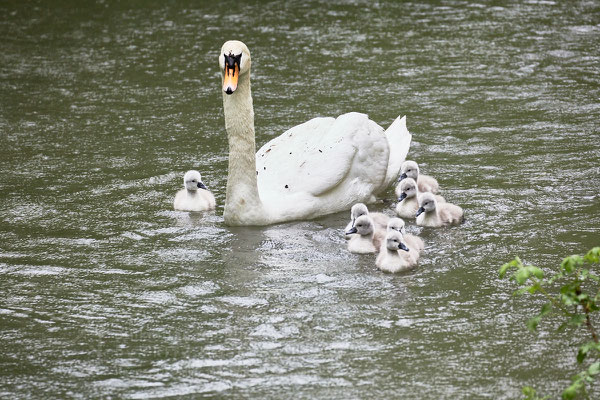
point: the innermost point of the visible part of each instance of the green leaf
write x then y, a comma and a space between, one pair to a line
577, 319
529, 392
537, 272
533, 323
594, 369
585, 349
546, 309
503, 270
515, 263
593, 256
571, 392
569, 264
521, 275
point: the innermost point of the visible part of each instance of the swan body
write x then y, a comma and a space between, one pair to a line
195, 196
322, 166
380, 219
365, 238
410, 169
414, 243
394, 256
432, 214
407, 192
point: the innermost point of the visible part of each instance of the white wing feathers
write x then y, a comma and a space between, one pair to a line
345, 158
398, 139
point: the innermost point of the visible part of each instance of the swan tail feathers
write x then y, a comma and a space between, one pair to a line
399, 139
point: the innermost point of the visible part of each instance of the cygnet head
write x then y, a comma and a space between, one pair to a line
234, 61
396, 224
192, 181
358, 210
427, 203
408, 189
394, 241
409, 169
363, 226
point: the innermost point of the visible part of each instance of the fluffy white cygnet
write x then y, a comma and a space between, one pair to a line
367, 239
195, 196
434, 214
410, 169
408, 193
359, 209
414, 243
394, 255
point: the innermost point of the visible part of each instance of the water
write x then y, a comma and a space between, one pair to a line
107, 292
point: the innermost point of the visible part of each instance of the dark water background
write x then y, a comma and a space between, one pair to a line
107, 292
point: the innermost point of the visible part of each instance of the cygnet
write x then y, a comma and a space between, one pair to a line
410, 169
359, 209
408, 193
195, 196
432, 214
394, 255
414, 243
367, 239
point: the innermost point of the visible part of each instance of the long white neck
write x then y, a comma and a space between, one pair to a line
242, 202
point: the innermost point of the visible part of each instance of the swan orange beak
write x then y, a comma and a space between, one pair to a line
230, 79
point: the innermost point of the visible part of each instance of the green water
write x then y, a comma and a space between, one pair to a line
107, 292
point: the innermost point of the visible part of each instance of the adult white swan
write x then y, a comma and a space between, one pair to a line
322, 166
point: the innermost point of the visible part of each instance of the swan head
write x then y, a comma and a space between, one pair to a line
408, 189
234, 61
427, 203
396, 224
394, 241
358, 210
193, 181
409, 169
363, 225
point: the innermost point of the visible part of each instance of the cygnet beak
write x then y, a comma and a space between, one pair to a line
402, 197
201, 186
402, 246
352, 231
420, 211
403, 176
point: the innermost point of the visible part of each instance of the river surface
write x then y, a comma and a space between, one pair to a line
105, 291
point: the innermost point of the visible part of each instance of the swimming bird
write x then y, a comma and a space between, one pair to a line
380, 219
195, 196
407, 192
394, 255
434, 214
320, 167
410, 169
414, 242
365, 238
